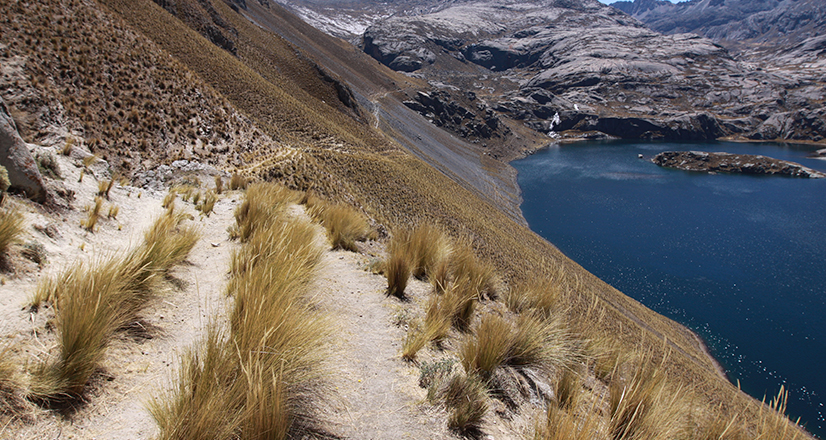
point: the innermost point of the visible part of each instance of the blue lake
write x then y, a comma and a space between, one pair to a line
739, 259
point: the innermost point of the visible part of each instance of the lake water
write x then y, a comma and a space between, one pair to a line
739, 259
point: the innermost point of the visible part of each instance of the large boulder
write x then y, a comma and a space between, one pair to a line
15, 156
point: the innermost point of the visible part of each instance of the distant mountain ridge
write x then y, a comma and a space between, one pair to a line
777, 22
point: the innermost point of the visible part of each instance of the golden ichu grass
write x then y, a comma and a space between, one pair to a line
261, 376
262, 205
11, 227
93, 300
345, 226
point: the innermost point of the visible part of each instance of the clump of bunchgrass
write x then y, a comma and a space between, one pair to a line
772, 422
397, 265
530, 342
427, 247
263, 204
345, 226
561, 425
465, 396
11, 228
480, 274
538, 296
94, 300
208, 204
219, 184
169, 199
238, 182
644, 405
13, 404
105, 187
93, 215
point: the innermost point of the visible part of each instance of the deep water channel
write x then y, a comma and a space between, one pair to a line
739, 259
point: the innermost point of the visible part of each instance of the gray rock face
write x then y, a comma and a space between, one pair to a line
594, 67
599, 70
781, 22
15, 156
733, 163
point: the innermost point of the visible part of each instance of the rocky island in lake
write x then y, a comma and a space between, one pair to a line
732, 163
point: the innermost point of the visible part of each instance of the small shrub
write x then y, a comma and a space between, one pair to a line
11, 227
5, 183
345, 226
48, 166
35, 252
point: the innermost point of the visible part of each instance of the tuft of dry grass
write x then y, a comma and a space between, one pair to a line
561, 425
345, 226
538, 295
480, 274
530, 342
169, 199
645, 406
466, 398
238, 182
568, 389
772, 422
219, 184
427, 247
208, 204
94, 215
263, 204
92, 301
397, 265
13, 404
113, 212
11, 227
105, 187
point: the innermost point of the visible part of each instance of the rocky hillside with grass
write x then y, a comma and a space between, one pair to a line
244, 232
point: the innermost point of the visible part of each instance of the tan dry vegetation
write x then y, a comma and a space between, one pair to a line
191, 85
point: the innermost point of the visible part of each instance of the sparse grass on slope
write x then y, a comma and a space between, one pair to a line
260, 377
92, 301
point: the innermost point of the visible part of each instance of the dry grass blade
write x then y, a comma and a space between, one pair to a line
568, 389
772, 422
11, 227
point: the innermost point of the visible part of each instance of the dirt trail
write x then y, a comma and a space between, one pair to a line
378, 396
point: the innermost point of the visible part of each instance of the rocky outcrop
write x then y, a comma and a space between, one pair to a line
733, 163
473, 122
15, 156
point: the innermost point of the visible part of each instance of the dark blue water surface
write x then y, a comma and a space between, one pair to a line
739, 259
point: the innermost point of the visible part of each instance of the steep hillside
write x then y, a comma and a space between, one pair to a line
142, 84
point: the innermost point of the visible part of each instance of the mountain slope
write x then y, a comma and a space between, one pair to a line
291, 123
